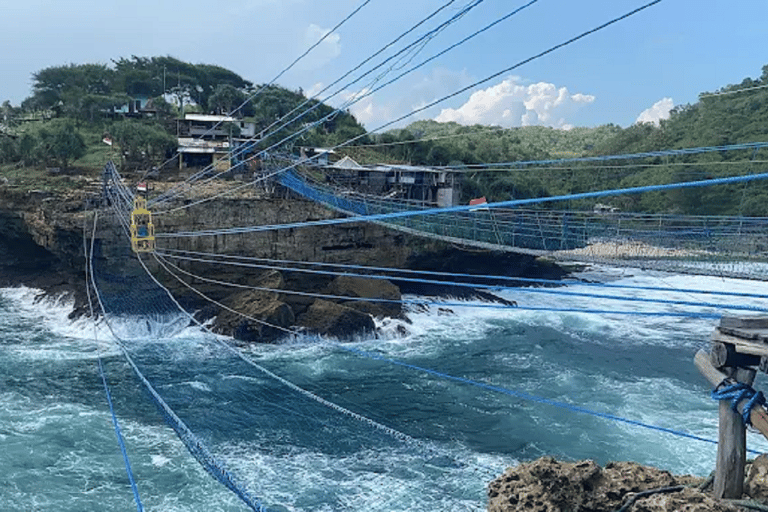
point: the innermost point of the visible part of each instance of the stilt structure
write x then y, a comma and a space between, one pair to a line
739, 348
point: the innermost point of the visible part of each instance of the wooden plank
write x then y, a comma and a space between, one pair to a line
725, 355
749, 334
742, 346
744, 322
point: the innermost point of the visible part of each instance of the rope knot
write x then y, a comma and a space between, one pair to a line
736, 392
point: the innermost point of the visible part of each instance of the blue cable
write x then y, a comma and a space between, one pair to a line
471, 86
485, 305
120, 441
118, 433
528, 397
359, 98
737, 392
564, 282
167, 195
466, 208
497, 287
632, 156
368, 59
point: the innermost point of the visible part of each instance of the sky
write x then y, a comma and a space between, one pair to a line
635, 70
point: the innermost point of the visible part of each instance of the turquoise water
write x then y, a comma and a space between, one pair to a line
59, 451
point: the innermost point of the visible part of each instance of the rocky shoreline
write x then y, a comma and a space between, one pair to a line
548, 485
42, 240
43, 235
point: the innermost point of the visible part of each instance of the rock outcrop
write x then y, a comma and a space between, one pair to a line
325, 317
255, 316
272, 311
547, 485
42, 245
384, 297
756, 482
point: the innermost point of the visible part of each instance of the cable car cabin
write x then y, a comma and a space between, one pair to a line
142, 229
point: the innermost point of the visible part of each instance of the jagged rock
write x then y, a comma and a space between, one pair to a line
687, 500
349, 286
547, 485
273, 317
756, 484
41, 245
325, 317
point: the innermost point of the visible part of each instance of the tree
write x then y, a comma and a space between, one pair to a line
142, 143
68, 83
59, 143
27, 148
8, 113
225, 99
8, 149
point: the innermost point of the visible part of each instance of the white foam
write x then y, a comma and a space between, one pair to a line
388, 480
159, 460
49, 332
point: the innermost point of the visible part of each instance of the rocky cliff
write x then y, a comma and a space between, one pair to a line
43, 236
548, 485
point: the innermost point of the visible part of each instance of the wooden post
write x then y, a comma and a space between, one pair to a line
732, 444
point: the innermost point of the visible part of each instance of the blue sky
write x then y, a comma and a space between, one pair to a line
663, 56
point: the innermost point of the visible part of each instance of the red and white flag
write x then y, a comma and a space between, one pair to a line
477, 202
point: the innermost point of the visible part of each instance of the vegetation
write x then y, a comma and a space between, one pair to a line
722, 118
73, 107
92, 101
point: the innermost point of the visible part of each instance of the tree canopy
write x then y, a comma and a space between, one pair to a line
67, 87
87, 96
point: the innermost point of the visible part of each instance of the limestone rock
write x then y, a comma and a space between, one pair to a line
547, 485
325, 317
687, 500
756, 485
350, 286
271, 317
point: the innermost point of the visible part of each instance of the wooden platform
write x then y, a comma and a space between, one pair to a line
741, 336
739, 348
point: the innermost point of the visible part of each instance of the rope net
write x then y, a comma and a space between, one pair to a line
269, 440
708, 245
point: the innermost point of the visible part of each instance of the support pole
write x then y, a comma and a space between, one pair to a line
732, 440
732, 445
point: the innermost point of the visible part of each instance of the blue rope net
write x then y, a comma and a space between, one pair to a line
211, 394
230, 411
710, 245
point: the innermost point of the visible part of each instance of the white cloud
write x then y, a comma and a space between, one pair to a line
410, 94
511, 104
326, 51
364, 108
314, 90
659, 110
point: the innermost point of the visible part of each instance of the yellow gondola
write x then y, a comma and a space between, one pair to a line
142, 229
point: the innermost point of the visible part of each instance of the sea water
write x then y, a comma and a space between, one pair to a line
59, 451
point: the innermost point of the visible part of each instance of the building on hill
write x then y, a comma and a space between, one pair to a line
206, 139
425, 185
317, 156
136, 107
